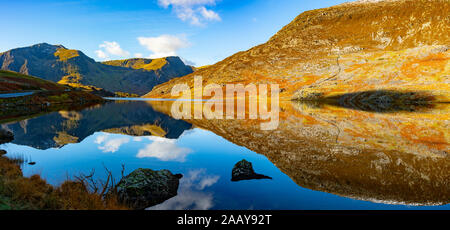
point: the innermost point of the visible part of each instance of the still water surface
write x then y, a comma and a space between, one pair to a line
319, 157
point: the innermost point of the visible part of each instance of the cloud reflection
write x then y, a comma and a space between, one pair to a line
164, 149
190, 194
110, 145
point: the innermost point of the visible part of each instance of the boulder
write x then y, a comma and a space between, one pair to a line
5, 136
243, 170
144, 188
2, 152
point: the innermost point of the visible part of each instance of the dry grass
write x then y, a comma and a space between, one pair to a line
12, 81
139, 63
66, 54
308, 52
18, 192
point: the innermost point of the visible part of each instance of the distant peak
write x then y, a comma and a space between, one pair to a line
42, 44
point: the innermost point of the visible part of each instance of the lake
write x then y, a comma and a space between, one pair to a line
321, 156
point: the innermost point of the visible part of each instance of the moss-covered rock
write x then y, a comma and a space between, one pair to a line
144, 188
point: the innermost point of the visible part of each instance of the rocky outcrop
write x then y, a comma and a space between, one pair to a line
144, 188
243, 170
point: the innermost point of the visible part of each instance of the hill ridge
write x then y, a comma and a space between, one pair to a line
389, 45
74, 68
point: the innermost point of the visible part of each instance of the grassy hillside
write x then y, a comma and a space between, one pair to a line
46, 96
400, 45
12, 81
139, 63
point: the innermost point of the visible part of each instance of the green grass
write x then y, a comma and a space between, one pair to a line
59, 98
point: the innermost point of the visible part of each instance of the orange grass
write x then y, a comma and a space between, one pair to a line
36, 194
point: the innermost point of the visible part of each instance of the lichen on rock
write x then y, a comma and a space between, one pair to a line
144, 188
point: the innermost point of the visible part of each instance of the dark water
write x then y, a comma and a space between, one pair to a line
139, 135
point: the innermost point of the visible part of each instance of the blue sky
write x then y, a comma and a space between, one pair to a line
200, 31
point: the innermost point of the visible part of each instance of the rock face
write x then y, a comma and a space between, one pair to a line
348, 48
71, 67
144, 188
243, 170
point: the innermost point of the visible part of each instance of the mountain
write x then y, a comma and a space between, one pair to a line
395, 45
72, 67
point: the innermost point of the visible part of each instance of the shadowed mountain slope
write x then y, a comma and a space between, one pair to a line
72, 67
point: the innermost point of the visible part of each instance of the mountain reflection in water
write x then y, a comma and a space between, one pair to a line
396, 158
130, 118
384, 158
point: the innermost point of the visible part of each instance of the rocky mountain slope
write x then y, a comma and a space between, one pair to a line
172, 66
72, 67
400, 45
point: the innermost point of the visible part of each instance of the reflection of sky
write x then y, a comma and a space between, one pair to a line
191, 193
110, 145
164, 149
204, 159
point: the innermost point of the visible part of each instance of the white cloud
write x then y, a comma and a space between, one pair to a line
138, 55
164, 149
111, 48
193, 11
187, 62
209, 14
164, 45
191, 195
101, 54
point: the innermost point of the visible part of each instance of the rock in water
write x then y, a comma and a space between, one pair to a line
144, 188
2, 152
243, 170
5, 136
